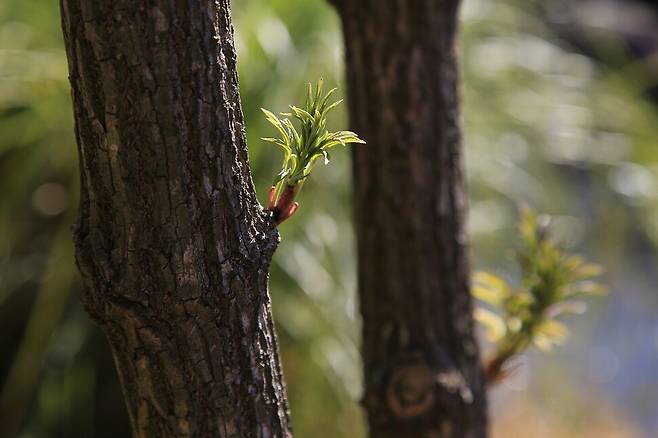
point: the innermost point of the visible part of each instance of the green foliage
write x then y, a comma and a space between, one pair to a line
551, 283
302, 148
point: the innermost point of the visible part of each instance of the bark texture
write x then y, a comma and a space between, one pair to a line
172, 244
422, 369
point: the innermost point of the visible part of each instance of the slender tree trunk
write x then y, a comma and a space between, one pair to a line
172, 244
422, 370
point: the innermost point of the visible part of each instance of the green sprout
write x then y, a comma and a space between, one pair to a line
551, 286
301, 149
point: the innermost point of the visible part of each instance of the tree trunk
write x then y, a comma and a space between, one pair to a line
422, 371
172, 244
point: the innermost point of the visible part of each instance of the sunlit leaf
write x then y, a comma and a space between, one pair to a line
542, 342
587, 271
492, 281
528, 224
586, 288
566, 307
554, 330
493, 324
514, 324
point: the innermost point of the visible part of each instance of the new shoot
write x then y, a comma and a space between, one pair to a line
551, 286
302, 147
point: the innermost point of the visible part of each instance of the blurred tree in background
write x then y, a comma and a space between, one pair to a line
421, 361
545, 123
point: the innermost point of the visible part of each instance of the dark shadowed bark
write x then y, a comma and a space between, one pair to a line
422, 370
172, 244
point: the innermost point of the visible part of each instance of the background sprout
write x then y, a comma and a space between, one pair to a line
301, 149
551, 285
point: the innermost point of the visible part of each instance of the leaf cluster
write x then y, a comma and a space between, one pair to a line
302, 147
551, 284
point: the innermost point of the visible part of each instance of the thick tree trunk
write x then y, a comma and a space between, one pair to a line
172, 244
422, 370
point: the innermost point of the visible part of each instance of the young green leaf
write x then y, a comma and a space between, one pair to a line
549, 281
494, 325
303, 145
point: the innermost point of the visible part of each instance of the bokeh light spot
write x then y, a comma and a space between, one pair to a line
50, 199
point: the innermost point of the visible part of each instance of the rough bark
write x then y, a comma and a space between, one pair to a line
171, 242
422, 370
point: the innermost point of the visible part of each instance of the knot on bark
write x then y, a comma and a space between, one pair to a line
410, 390
414, 385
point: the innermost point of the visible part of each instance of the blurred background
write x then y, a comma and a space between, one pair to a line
560, 112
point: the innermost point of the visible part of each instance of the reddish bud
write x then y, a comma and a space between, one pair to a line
286, 198
289, 212
271, 198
